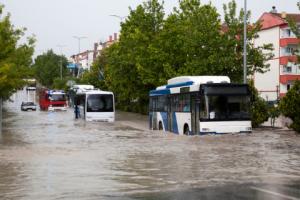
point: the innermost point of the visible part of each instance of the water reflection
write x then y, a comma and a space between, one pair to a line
50, 155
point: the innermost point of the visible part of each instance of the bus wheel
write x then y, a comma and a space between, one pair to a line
160, 127
186, 129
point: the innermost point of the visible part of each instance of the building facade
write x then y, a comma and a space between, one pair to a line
283, 70
83, 61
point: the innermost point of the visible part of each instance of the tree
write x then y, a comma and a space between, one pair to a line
47, 68
259, 107
294, 27
290, 106
95, 76
15, 58
133, 63
190, 41
233, 43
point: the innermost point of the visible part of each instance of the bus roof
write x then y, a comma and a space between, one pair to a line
55, 91
83, 87
199, 79
193, 82
94, 92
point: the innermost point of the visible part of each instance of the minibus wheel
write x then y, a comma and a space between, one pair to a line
160, 127
186, 129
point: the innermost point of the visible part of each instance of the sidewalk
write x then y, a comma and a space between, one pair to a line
280, 122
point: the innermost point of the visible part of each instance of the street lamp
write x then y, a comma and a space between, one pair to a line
121, 18
79, 38
61, 56
245, 41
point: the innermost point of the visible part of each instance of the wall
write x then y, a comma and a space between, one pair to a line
268, 82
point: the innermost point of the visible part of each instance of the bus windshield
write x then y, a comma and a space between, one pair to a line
57, 97
100, 103
225, 107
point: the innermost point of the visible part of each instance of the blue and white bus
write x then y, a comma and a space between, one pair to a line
194, 105
94, 104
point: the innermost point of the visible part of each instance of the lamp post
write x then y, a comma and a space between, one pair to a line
245, 41
79, 38
121, 18
60, 47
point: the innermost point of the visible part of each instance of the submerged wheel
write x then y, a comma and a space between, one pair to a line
160, 127
186, 129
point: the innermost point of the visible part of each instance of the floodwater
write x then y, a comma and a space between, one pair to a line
50, 155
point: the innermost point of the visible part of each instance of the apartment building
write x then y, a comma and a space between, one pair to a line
83, 61
283, 68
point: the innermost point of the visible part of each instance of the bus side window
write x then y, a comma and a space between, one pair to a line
108, 104
186, 108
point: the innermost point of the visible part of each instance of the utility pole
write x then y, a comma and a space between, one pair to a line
245, 41
61, 61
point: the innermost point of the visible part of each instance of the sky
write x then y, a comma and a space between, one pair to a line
55, 22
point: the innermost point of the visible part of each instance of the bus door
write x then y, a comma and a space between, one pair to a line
154, 120
169, 114
195, 104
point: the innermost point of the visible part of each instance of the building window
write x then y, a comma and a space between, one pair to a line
287, 69
288, 86
289, 50
288, 32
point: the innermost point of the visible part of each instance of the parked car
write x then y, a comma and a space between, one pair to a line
25, 106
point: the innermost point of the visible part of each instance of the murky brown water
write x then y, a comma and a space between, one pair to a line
50, 155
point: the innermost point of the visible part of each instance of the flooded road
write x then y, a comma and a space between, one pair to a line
50, 155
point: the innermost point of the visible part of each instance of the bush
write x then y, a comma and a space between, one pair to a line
259, 108
290, 106
59, 84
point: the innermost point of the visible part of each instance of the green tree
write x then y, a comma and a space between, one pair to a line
233, 39
47, 68
190, 41
290, 106
95, 76
195, 42
15, 58
133, 63
296, 31
259, 107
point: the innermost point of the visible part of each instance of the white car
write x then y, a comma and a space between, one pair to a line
25, 106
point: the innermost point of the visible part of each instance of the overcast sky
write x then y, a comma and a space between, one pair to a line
55, 22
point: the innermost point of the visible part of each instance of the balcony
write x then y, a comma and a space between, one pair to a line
288, 41
284, 60
290, 69
284, 79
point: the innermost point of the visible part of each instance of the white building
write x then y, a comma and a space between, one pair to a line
283, 70
84, 60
